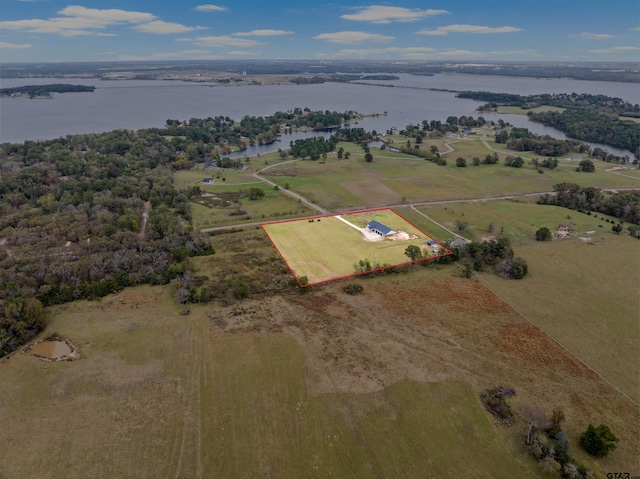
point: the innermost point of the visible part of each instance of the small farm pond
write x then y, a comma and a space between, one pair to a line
51, 349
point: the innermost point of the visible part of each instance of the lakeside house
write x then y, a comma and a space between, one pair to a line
379, 229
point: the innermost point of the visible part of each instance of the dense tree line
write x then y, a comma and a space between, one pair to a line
45, 90
72, 212
596, 118
593, 126
624, 205
312, 147
521, 139
573, 101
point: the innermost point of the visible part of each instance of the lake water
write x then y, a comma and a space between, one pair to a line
134, 104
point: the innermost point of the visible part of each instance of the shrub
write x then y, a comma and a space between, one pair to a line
598, 441
353, 289
240, 289
543, 234
495, 402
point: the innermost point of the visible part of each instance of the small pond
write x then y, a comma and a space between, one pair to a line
51, 349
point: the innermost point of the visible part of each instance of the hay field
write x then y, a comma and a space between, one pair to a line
327, 248
585, 294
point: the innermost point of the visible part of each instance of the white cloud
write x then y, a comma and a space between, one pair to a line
242, 53
477, 29
210, 8
179, 55
222, 41
162, 28
396, 51
14, 45
77, 20
263, 33
349, 38
386, 14
427, 52
615, 50
595, 36
636, 29
106, 17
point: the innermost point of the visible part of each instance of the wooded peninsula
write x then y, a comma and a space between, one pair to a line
39, 91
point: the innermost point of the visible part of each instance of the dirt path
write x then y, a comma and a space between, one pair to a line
145, 219
441, 226
294, 195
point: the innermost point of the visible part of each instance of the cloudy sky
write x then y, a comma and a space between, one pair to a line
574, 30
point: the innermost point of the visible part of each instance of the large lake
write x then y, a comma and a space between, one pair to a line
134, 104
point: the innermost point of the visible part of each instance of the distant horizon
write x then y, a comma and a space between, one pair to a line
34, 31
341, 60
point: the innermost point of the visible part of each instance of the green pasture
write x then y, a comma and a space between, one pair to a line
585, 294
393, 178
518, 219
328, 248
274, 205
523, 111
193, 177
582, 293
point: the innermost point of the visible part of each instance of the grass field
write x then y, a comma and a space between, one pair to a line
571, 282
340, 185
315, 385
274, 205
306, 385
523, 111
160, 395
327, 249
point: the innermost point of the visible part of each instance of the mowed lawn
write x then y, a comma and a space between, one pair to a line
329, 248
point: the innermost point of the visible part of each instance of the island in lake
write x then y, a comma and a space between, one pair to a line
44, 91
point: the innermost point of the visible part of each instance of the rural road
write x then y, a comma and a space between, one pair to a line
294, 195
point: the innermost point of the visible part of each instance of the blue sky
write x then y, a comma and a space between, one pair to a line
469, 30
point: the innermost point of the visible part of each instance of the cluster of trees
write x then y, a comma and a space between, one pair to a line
514, 161
575, 101
312, 148
498, 254
545, 438
595, 118
438, 128
200, 139
521, 139
624, 205
550, 446
45, 90
593, 126
85, 216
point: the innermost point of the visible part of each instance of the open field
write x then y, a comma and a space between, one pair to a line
188, 178
582, 293
340, 185
328, 248
591, 308
523, 111
222, 208
297, 385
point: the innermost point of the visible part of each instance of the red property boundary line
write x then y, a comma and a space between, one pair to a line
262, 225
